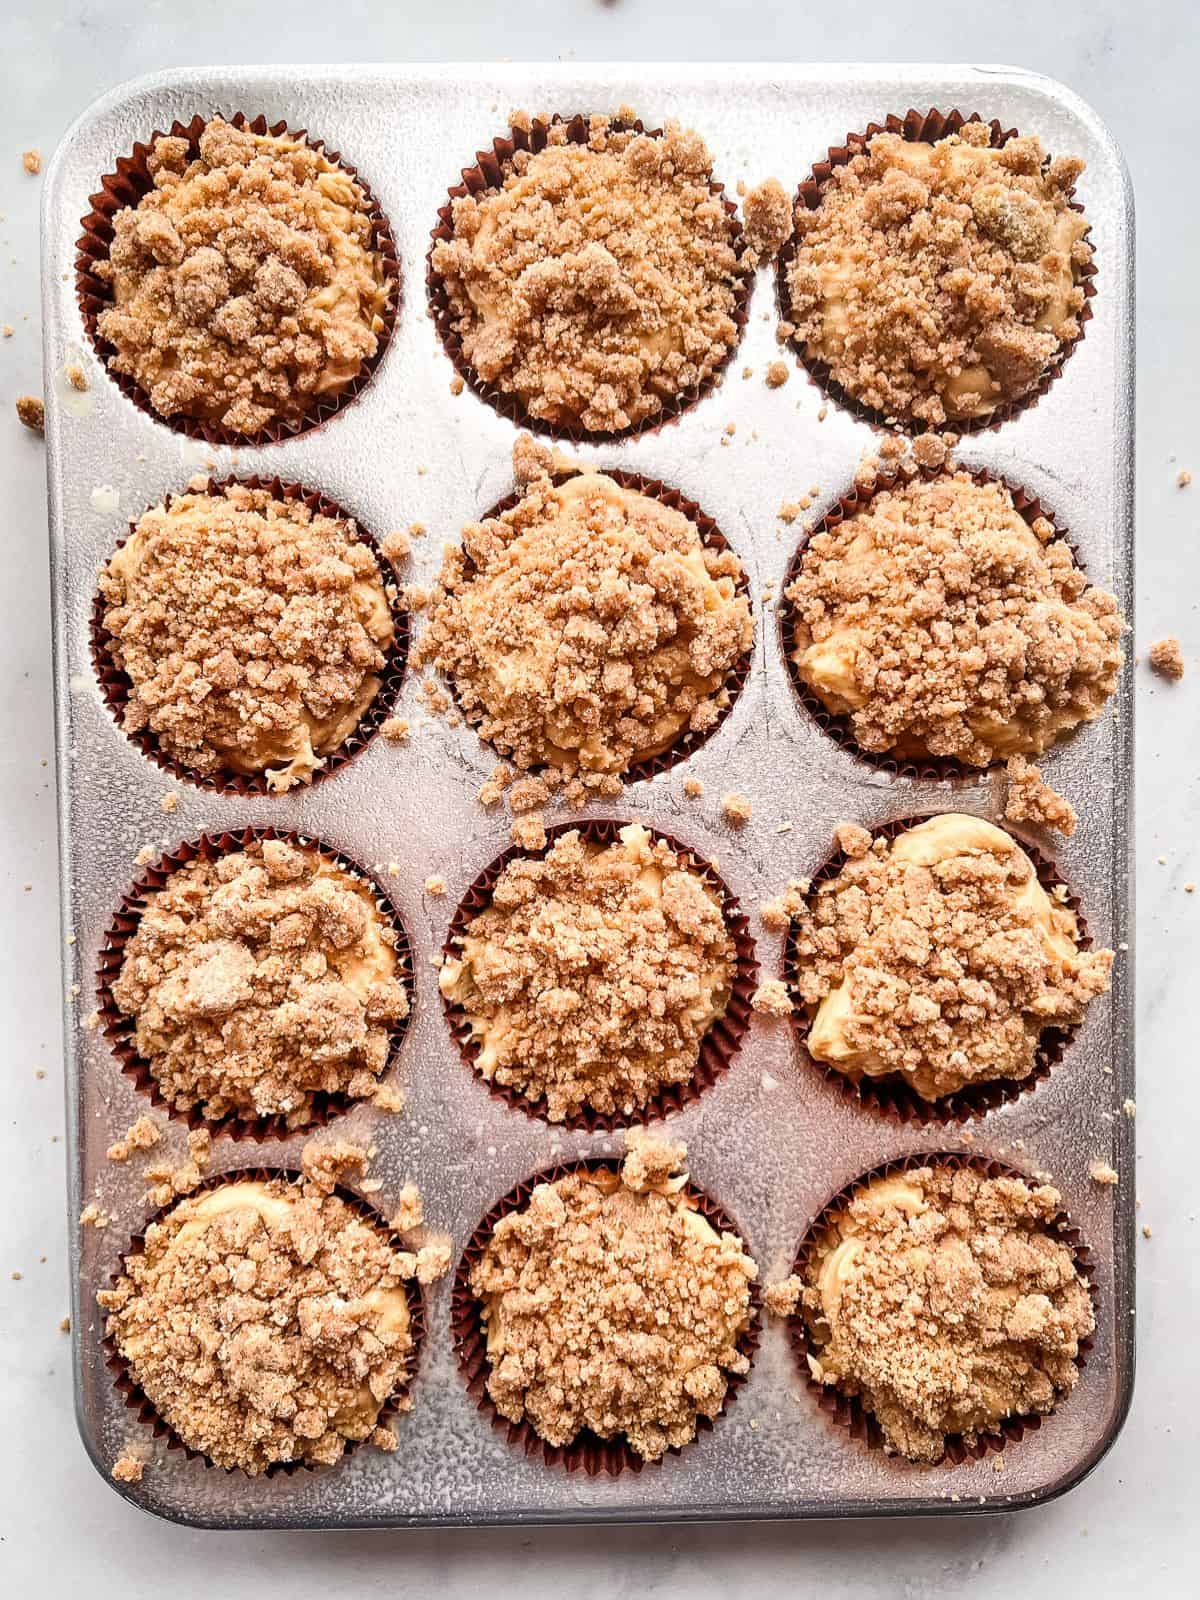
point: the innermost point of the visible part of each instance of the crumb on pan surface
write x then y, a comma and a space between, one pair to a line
265, 1321
939, 957
253, 631
944, 625
587, 628
245, 284
259, 979
1031, 798
941, 280
611, 1304
601, 281
944, 1300
594, 973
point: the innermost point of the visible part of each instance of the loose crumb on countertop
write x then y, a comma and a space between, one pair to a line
31, 160
1183, 479
777, 374
1166, 657
32, 412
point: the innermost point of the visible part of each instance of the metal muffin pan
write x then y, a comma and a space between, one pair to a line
772, 1140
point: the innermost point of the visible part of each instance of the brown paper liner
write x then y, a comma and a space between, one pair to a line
719, 1045
687, 742
847, 1411
126, 187
916, 128
120, 1031
115, 684
488, 173
587, 1452
892, 1096
135, 1398
840, 727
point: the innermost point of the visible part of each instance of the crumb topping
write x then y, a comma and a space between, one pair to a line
600, 282
767, 213
611, 1304
944, 625
31, 411
265, 1321
946, 1302
941, 280
246, 285
253, 631
1031, 799
594, 974
939, 957
261, 980
587, 628
1166, 657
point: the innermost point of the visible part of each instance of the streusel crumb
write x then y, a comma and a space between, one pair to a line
1031, 799
939, 957
772, 999
265, 1321
946, 1301
735, 808
143, 1135
252, 629
128, 1468
261, 981
31, 160
32, 412
246, 284
594, 973
941, 280
600, 282
942, 624
767, 213
614, 1308
587, 628
1100, 1172
1166, 657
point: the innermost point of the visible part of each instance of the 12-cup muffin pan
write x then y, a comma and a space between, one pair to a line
771, 1139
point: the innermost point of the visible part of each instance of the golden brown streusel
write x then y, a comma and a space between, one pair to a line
1166, 657
771, 998
945, 1301
1031, 799
265, 1321
944, 625
246, 284
31, 160
611, 1304
260, 980
767, 213
143, 1135
128, 1468
32, 412
940, 280
735, 808
594, 973
1100, 1172
587, 628
252, 629
939, 957
601, 282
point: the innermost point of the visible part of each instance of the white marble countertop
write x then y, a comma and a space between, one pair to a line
1130, 1522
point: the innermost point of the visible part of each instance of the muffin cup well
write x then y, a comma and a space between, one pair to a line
126, 187
847, 1411
587, 1452
840, 727
489, 173
719, 1045
915, 127
115, 685
135, 1398
687, 742
893, 1096
120, 1031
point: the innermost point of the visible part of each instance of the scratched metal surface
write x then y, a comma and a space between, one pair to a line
771, 1140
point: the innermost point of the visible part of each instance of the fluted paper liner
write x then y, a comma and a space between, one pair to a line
115, 684
687, 741
916, 127
719, 1045
839, 726
120, 1030
892, 1095
489, 173
135, 1398
587, 1452
126, 187
848, 1411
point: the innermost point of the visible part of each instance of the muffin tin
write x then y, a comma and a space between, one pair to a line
771, 1139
